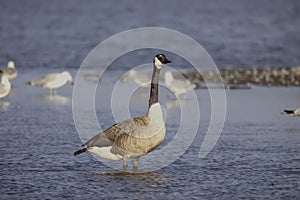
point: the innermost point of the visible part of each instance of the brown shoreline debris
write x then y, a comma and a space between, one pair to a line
264, 76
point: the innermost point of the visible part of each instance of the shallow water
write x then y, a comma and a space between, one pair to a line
257, 155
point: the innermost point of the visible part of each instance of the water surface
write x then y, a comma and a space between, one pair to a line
257, 155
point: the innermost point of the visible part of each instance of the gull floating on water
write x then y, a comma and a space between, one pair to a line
5, 86
178, 86
135, 137
292, 112
141, 79
52, 81
10, 71
92, 77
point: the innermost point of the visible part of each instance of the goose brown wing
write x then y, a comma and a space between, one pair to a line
133, 127
130, 127
99, 140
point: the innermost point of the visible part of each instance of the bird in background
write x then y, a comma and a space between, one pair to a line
52, 81
135, 137
5, 86
178, 86
10, 71
292, 112
140, 78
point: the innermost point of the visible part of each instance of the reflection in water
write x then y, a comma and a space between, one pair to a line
4, 105
57, 99
143, 177
123, 183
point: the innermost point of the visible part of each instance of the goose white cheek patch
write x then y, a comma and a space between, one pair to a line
158, 64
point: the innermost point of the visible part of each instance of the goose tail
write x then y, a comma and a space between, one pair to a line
289, 112
80, 151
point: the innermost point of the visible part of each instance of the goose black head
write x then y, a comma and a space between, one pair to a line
160, 60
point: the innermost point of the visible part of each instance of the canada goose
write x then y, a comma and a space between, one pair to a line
10, 71
292, 112
133, 138
52, 81
178, 86
5, 86
141, 79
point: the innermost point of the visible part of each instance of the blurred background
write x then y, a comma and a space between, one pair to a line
257, 154
54, 34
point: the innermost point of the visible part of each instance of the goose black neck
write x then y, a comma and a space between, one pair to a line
154, 86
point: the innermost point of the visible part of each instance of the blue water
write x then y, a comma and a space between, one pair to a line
257, 155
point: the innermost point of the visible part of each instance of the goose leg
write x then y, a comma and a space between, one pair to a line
135, 164
125, 163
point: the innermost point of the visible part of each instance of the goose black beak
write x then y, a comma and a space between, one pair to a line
166, 61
